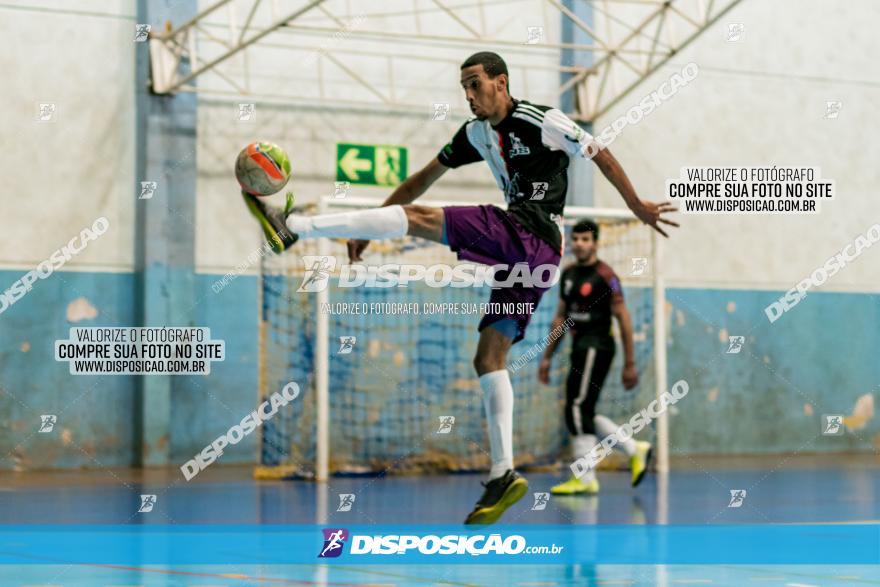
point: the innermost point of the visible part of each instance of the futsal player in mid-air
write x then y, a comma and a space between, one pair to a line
590, 295
527, 147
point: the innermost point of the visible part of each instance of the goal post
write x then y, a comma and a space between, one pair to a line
377, 406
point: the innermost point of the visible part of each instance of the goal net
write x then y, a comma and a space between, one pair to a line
399, 390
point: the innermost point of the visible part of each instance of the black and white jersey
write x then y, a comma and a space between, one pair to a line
590, 293
528, 154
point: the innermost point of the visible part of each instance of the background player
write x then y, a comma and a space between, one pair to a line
590, 295
527, 147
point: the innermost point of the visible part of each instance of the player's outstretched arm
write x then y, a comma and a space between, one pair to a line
417, 184
406, 193
630, 375
648, 212
559, 132
553, 342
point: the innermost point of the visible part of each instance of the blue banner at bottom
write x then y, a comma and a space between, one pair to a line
415, 544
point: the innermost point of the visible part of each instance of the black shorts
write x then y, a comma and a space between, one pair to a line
590, 364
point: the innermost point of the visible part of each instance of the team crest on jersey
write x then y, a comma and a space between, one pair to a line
516, 147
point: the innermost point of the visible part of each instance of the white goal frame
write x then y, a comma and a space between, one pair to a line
322, 364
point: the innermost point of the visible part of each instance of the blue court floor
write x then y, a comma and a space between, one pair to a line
793, 491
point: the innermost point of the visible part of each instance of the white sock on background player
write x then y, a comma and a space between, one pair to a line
582, 444
606, 427
498, 403
377, 223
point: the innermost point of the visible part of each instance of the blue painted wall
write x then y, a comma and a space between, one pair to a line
818, 358
203, 408
94, 425
817, 355
97, 428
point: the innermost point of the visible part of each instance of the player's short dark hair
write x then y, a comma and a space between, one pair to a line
587, 225
492, 63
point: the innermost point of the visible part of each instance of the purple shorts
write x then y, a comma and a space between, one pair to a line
489, 235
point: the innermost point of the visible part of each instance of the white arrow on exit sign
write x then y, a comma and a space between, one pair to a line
350, 164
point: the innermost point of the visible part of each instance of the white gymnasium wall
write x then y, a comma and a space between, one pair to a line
309, 129
761, 102
60, 176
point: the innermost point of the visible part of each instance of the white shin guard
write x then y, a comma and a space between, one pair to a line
376, 223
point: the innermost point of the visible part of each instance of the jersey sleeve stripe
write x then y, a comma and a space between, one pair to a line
530, 109
528, 118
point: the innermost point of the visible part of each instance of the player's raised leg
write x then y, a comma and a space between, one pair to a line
504, 486
283, 228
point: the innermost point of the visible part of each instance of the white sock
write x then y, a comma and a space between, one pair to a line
498, 403
582, 444
375, 223
606, 427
